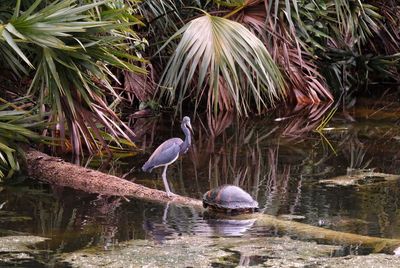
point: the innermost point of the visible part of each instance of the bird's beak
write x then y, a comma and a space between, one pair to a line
190, 128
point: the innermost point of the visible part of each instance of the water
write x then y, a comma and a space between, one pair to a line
276, 158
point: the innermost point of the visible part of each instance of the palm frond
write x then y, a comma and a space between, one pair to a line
17, 127
305, 84
72, 46
228, 60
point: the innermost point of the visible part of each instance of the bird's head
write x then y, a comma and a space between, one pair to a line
186, 123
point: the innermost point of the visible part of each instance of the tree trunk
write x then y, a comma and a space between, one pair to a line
56, 171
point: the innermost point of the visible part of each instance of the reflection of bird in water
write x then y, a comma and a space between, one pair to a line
169, 151
159, 231
177, 221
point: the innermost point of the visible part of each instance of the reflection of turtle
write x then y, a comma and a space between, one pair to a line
229, 227
229, 199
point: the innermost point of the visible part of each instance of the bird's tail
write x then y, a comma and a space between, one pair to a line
146, 167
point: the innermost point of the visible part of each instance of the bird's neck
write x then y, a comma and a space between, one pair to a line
188, 140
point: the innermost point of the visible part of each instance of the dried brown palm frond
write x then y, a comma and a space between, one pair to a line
389, 33
139, 86
305, 83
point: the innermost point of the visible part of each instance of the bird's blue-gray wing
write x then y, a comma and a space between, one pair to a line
166, 153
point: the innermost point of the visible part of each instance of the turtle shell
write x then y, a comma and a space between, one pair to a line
229, 198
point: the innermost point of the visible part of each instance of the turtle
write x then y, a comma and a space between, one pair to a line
229, 199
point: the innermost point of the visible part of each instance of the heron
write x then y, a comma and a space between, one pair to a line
169, 151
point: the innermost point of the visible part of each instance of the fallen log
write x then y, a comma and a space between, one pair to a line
327, 236
360, 178
56, 171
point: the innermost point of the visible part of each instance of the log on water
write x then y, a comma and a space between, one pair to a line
56, 171
325, 236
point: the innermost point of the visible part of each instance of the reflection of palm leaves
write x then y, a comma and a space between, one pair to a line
301, 119
217, 124
232, 157
238, 151
355, 151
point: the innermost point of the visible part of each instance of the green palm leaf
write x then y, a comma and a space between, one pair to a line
17, 127
228, 60
72, 46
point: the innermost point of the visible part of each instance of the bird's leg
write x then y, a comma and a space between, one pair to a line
164, 177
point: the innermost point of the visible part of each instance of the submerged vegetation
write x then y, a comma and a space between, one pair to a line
84, 64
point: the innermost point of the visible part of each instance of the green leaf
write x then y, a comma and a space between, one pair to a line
8, 38
17, 9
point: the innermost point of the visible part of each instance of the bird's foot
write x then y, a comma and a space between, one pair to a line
171, 194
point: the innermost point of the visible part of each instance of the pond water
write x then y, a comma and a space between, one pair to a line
277, 158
